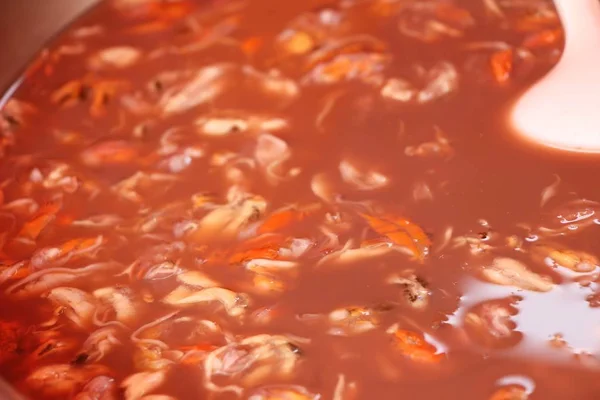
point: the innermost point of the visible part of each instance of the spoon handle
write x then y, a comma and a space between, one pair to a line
581, 22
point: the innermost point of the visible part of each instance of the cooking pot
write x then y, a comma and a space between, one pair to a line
25, 26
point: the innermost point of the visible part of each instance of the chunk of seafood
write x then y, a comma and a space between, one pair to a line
228, 220
349, 321
140, 183
250, 361
120, 300
45, 280
512, 392
62, 379
349, 255
414, 289
99, 344
271, 153
433, 21
99, 388
510, 272
433, 84
491, 324
227, 122
364, 67
204, 85
280, 392
574, 260
77, 305
49, 257
138, 385
117, 57
360, 179
52, 345
10, 337
110, 153
415, 347
440, 146
234, 303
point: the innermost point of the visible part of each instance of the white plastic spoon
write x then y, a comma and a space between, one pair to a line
563, 109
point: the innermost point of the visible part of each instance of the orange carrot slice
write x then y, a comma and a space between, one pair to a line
270, 253
46, 214
414, 346
114, 152
252, 45
284, 218
510, 393
402, 232
502, 65
545, 38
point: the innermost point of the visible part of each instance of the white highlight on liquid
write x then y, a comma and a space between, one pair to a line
563, 310
561, 110
527, 383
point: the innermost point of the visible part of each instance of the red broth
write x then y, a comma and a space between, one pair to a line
294, 200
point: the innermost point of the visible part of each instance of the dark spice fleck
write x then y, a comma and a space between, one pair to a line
80, 359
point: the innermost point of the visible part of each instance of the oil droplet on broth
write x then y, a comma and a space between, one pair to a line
562, 312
